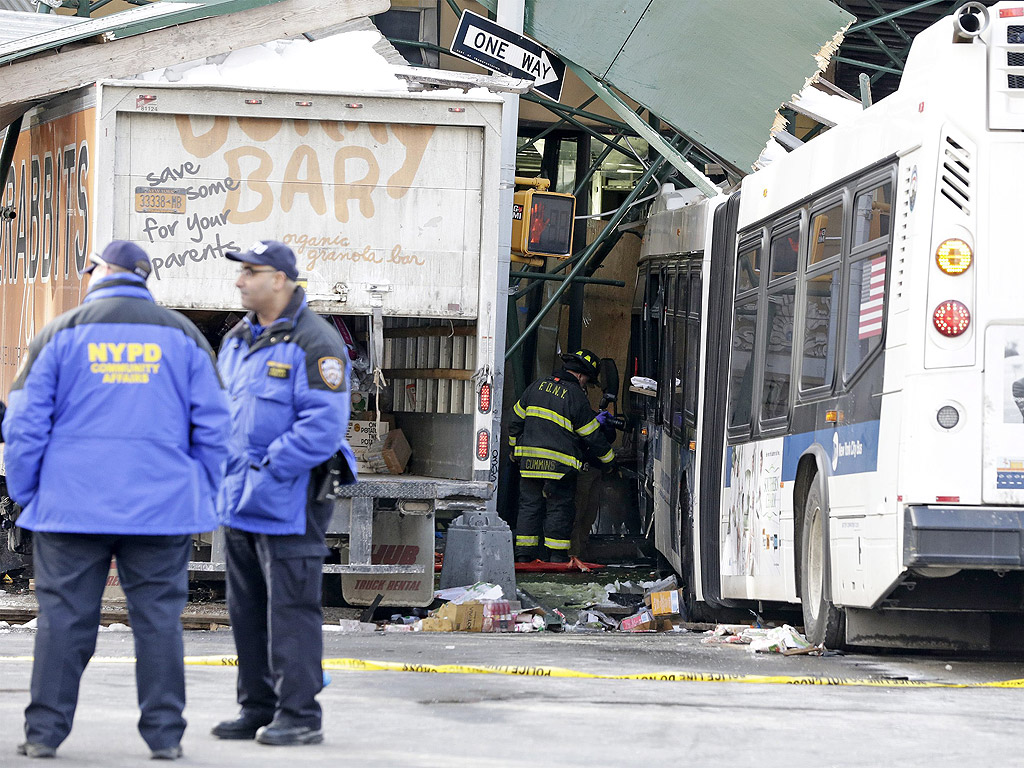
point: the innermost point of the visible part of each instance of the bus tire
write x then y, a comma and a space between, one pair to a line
824, 624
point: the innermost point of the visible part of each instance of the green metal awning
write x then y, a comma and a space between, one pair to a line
717, 72
157, 15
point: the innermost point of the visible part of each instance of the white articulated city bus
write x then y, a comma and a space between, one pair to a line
836, 346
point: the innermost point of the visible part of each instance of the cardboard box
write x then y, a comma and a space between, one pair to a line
638, 622
468, 617
435, 624
668, 603
390, 454
362, 434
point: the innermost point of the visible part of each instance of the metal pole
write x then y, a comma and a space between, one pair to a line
574, 336
563, 278
510, 15
641, 185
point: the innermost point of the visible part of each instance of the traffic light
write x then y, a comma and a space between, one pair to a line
542, 223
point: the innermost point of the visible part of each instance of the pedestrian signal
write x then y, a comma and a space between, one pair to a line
542, 223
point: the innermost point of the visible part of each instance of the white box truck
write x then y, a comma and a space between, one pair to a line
389, 200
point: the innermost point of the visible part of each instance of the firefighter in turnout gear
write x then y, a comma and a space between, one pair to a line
552, 431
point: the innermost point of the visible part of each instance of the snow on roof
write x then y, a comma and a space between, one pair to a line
345, 61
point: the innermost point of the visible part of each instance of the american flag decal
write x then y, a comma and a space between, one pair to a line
872, 298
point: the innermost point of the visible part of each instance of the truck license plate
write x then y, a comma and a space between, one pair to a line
159, 200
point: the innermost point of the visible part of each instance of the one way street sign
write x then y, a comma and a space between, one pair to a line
483, 42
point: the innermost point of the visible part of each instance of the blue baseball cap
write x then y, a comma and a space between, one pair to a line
124, 254
269, 253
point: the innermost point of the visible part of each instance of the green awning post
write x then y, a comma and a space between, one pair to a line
584, 128
640, 187
561, 278
553, 127
655, 139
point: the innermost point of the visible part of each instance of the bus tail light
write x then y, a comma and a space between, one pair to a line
484, 402
483, 444
953, 256
951, 318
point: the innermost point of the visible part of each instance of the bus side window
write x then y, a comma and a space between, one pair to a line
741, 365
784, 249
826, 236
653, 312
692, 345
821, 316
871, 214
865, 310
666, 362
679, 351
778, 353
748, 268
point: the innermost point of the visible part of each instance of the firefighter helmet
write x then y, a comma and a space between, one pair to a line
583, 361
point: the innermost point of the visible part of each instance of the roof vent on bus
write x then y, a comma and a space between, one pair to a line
956, 174
969, 22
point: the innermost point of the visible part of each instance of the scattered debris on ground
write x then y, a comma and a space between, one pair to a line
785, 639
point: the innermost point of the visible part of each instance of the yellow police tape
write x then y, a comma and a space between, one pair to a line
362, 665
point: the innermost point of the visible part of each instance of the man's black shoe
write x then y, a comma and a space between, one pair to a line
243, 728
526, 554
278, 735
34, 749
558, 556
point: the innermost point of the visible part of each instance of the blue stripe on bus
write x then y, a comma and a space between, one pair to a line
856, 445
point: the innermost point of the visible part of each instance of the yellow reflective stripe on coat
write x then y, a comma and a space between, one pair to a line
546, 413
546, 453
518, 410
511, 440
607, 458
535, 475
556, 543
588, 429
527, 541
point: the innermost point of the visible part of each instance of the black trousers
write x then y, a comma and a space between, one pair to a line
277, 621
547, 511
71, 572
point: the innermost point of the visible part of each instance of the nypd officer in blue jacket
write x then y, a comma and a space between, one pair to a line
287, 373
116, 430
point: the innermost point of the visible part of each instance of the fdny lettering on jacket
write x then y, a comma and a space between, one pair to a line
555, 389
124, 362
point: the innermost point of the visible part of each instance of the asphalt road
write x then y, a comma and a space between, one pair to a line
388, 718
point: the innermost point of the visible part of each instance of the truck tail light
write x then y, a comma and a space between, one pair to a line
483, 444
484, 402
951, 318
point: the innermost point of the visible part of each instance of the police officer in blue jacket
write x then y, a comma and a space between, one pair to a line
287, 374
116, 432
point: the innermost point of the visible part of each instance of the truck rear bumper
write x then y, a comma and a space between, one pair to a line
985, 538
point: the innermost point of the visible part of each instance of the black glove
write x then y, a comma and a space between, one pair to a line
609, 469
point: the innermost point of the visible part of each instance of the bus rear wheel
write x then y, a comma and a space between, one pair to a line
823, 623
